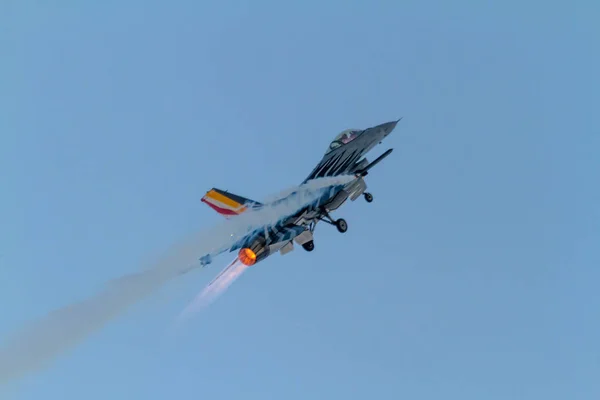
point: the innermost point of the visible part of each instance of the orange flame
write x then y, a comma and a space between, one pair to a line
247, 256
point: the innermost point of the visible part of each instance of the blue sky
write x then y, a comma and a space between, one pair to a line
472, 275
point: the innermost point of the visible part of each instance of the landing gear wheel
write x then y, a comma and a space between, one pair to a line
309, 246
368, 197
341, 225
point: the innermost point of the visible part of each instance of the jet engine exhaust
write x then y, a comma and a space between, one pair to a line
217, 286
36, 345
247, 257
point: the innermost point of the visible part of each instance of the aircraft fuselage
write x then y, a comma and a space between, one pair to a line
343, 157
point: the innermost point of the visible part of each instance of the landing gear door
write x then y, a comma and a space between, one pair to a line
304, 237
361, 186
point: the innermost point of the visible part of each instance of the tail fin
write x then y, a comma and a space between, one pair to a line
228, 204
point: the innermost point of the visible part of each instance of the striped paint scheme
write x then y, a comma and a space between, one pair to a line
226, 204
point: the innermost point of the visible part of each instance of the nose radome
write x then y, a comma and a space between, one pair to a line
389, 126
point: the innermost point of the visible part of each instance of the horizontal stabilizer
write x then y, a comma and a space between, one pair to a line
228, 204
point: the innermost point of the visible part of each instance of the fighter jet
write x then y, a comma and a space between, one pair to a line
344, 156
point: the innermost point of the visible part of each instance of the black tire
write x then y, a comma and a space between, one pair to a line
368, 197
309, 246
341, 225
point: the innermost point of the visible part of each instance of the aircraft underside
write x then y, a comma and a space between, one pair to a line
310, 218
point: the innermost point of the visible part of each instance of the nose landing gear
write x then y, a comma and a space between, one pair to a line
368, 197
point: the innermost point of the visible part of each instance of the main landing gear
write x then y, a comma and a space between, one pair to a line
309, 246
340, 224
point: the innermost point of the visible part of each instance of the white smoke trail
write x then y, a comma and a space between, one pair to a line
38, 344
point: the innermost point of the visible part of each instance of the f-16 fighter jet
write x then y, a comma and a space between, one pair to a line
344, 156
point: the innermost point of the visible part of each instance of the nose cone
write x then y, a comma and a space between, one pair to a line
388, 127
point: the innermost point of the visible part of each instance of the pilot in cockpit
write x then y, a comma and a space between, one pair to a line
348, 137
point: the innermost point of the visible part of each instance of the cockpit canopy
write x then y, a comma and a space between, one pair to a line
345, 137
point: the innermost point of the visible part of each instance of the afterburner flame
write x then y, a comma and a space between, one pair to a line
215, 288
247, 256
